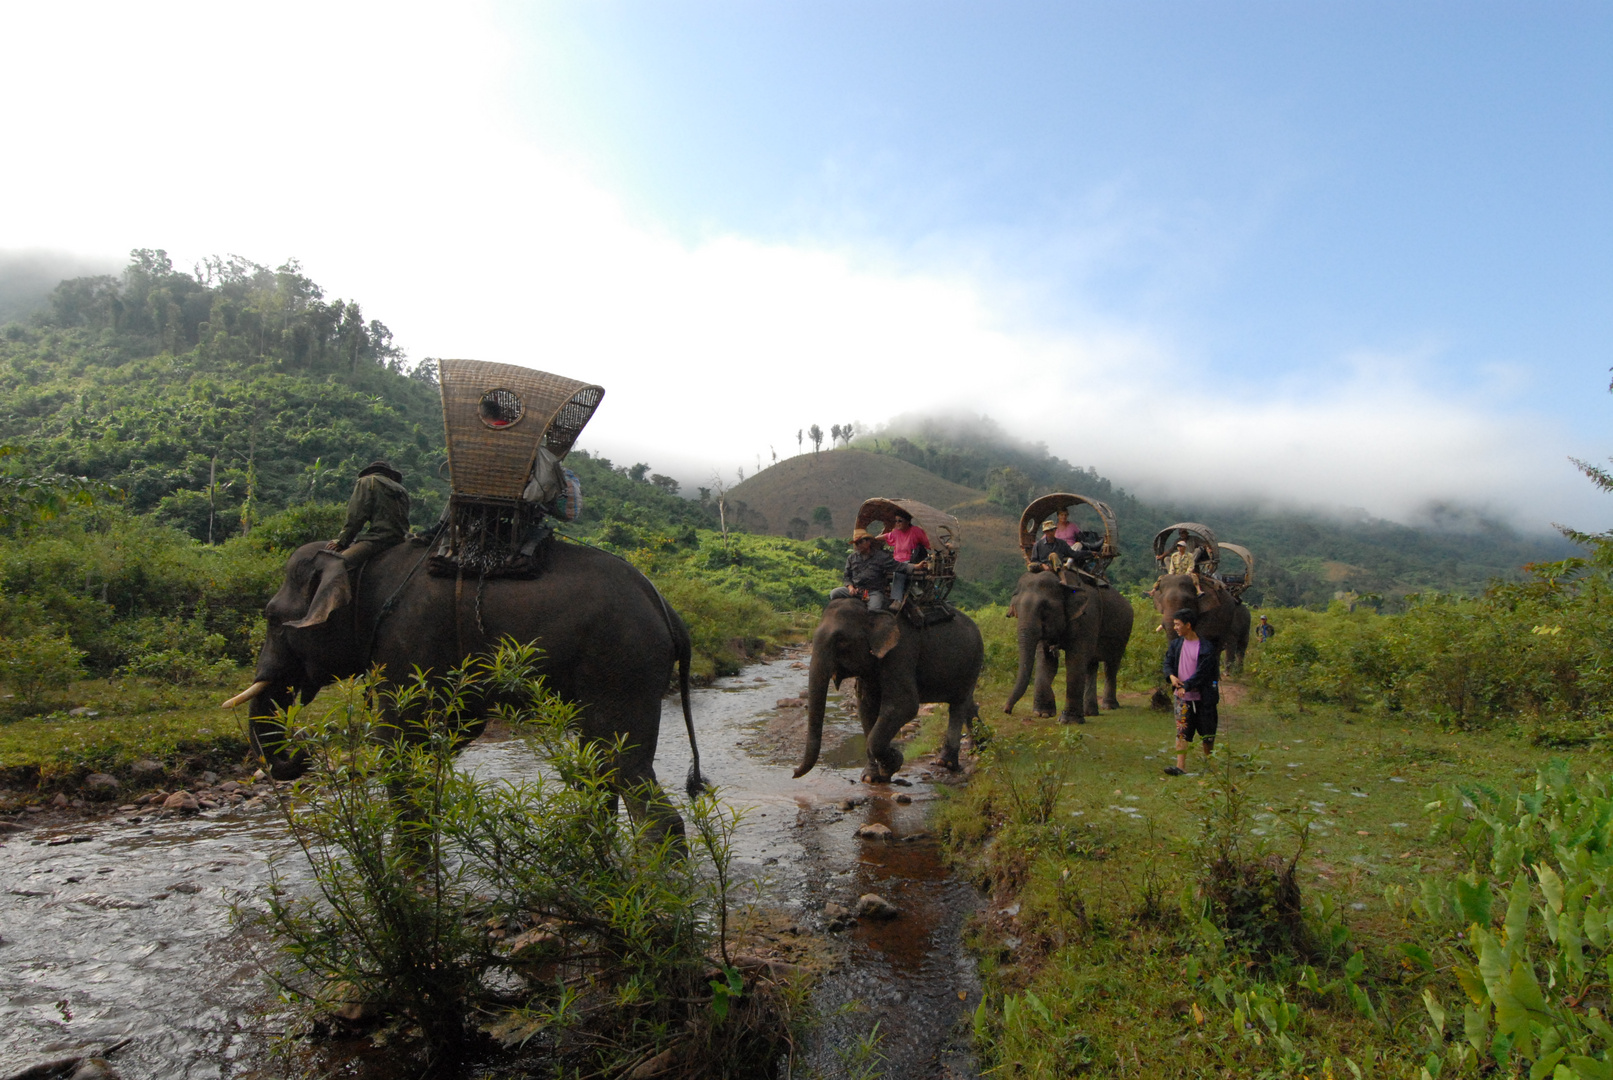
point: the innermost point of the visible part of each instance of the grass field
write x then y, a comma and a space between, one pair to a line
1094, 944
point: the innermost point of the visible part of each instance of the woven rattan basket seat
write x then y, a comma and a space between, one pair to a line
1165, 540
492, 458
1030, 525
935, 583
1237, 587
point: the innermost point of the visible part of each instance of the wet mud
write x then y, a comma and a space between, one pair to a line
119, 932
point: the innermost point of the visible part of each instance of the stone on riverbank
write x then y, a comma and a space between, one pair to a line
100, 783
182, 801
145, 767
874, 906
875, 831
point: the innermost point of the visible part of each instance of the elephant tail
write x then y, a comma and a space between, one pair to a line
696, 782
683, 650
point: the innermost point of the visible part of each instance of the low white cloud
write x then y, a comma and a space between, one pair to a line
377, 152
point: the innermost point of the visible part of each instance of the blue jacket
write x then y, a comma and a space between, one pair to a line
1206, 679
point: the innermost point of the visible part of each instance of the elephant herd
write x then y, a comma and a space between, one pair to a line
611, 644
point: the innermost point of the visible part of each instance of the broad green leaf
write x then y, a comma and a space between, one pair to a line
1517, 923
1356, 964
1586, 1068
1435, 1011
1476, 1027
1473, 901
1551, 885
1418, 955
1545, 1065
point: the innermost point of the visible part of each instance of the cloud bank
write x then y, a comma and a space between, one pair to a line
381, 155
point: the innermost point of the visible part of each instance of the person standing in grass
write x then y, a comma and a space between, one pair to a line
1264, 631
1193, 666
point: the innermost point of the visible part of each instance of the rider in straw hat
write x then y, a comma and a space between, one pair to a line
380, 502
869, 568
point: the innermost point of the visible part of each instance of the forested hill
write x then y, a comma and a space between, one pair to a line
1303, 558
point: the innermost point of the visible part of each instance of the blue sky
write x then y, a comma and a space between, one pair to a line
1272, 184
1331, 254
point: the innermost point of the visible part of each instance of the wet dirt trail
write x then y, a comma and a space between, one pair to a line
119, 930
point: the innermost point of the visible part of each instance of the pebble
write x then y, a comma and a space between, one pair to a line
789, 703
181, 800
100, 781
145, 767
874, 831
853, 803
60, 800
903, 798
874, 906
94, 1068
209, 778
83, 710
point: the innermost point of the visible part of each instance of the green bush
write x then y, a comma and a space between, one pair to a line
534, 911
36, 666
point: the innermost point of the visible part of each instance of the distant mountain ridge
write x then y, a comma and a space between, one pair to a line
972, 469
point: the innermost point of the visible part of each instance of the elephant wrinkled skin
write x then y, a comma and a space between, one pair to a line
898, 667
1216, 607
1091, 626
609, 645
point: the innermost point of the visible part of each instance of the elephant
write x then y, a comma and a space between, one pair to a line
609, 644
1091, 625
898, 667
1236, 645
1216, 607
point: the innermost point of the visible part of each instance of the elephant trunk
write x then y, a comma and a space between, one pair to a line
1027, 661
817, 701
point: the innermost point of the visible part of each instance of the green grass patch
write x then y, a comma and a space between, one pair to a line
135, 719
1098, 955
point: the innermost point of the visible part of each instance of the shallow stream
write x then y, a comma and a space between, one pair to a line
119, 930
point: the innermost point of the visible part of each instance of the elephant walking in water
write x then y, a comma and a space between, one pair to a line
1091, 626
898, 667
609, 645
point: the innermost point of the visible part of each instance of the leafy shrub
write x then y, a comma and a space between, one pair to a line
534, 910
295, 526
37, 666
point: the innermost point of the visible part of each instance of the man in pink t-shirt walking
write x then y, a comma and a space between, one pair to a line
1193, 665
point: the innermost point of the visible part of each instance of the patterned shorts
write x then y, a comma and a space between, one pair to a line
1195, 718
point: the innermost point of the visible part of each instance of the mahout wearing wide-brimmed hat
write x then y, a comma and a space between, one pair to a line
384, 468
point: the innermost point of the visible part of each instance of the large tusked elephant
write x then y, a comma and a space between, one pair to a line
898, 667
609, 641
1091, 626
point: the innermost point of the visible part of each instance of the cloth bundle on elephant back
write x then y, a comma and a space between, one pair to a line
508, 429
1059, 504
898, 667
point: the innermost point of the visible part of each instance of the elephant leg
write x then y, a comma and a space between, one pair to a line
884, 759
1111, 668
868, 698
1075, 690
960, 712
648, 805
1047, 669
1089, 706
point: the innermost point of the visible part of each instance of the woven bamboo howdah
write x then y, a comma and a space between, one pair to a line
497, 415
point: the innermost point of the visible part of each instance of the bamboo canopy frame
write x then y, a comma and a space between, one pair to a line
945, 538
1030, 525
1165, 540
496, 416
1237, 588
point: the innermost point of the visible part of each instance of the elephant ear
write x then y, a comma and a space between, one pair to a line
1075, 603
883, 634
1209, 600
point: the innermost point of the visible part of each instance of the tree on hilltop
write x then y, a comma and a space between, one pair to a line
815, 433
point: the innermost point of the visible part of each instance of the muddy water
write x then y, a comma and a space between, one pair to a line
123, 933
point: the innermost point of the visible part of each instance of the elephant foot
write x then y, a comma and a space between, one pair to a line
1041, 714
871, 777
949, 759
1008, 710
1072, 718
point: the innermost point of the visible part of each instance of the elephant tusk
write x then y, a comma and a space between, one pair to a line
246, 695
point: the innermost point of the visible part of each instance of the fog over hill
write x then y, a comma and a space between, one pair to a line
970, 467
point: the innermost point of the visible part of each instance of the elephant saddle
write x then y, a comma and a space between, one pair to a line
929, 613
